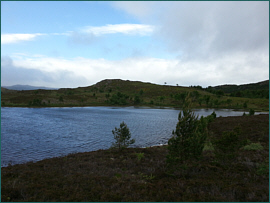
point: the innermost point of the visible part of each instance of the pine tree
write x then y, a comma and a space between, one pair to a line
189, 136
122, 137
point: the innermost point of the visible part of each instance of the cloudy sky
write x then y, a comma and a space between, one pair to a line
72, 44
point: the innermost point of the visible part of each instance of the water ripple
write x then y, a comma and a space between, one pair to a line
32, 134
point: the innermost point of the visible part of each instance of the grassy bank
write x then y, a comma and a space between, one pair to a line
140, 174
128, 93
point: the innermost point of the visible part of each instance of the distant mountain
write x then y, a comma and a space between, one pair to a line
27, 87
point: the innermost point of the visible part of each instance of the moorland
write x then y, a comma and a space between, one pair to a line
116, 92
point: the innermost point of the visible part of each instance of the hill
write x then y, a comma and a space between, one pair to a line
253, 90
5, 90
252, 86
116, 92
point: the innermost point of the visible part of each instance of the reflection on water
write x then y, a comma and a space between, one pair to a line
32, 134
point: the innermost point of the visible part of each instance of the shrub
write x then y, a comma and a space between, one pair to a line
263, 169
251, 112
208, 146
119, 99
35, 102
61, 99
188, 138
122, 137
245, 105
253, 146
140, 156
137, 100
211, 117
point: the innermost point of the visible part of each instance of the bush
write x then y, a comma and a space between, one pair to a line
35, 102
118, 99
137, 100
263, 169
61, 99
208, 146
251, 112
188, 138
253, 146
122, 137
210, 117
140, 156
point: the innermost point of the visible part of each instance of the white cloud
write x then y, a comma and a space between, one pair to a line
94, 70
15, 38
128, 29
61, 72
86, 34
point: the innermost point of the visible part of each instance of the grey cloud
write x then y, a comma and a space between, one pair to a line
245, 26
203, 28
11, 75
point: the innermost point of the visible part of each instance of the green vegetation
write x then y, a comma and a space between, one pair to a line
188, 138
118, 99
253, 147
111, 175
208, 146
228, 144
251, 112
129, 93
140, 156
255, 90
263, 169
122, 137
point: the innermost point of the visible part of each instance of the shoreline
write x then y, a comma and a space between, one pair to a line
139, 107
76, 153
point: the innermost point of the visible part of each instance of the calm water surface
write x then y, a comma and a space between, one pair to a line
32, 134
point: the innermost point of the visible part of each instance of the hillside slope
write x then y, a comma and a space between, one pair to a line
5, 90
252, 86
253, 90
116, 92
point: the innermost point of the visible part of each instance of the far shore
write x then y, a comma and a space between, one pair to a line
141, 107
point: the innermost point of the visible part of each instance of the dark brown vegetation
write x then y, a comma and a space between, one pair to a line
128, 93
140, 174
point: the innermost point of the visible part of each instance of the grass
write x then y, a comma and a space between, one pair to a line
208, 146
106, 93
140, 174
140, 156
